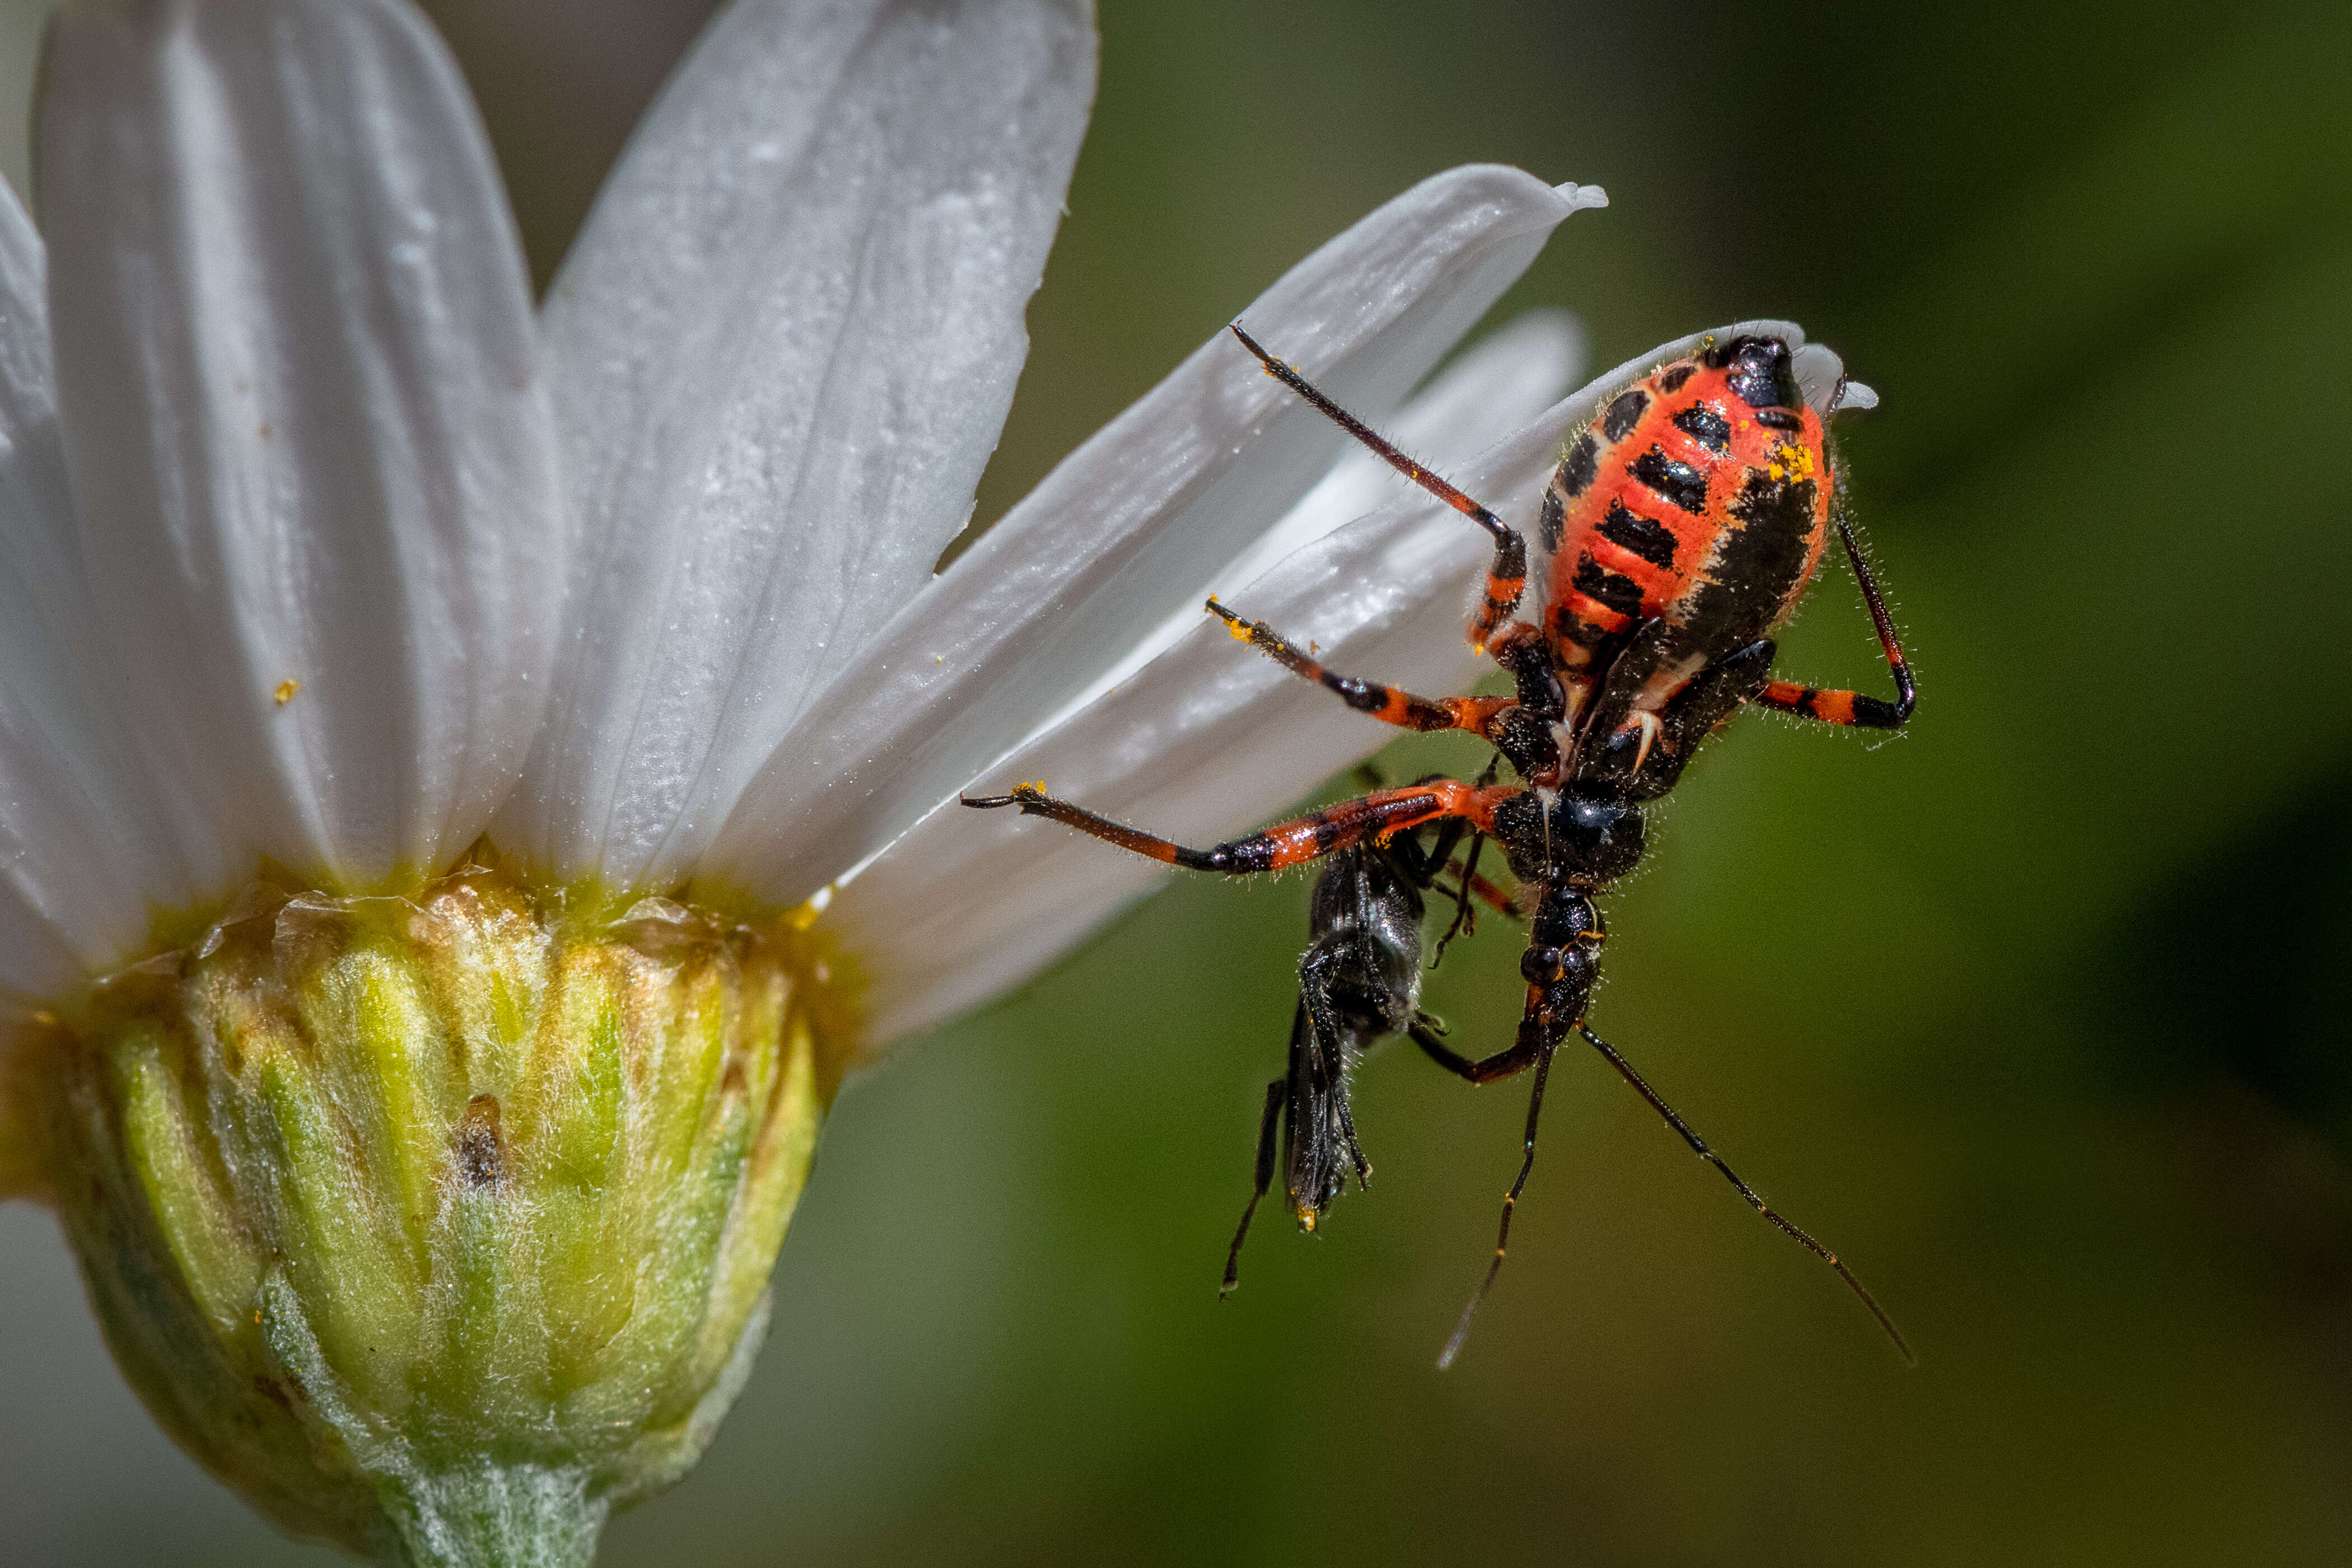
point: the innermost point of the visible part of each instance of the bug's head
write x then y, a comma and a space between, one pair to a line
1762, 373
1563, 953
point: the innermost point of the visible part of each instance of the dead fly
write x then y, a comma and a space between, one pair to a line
1359, 984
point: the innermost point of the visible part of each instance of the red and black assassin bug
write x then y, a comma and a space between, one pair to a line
1682, 525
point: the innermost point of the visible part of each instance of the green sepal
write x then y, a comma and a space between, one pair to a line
440, 1226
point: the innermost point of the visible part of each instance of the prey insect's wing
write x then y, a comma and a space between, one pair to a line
1321, 1129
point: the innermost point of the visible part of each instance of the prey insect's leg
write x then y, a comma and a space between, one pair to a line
1698, 1146
1510, 1202
1355, 1152
1389, 704
1469, 880
1469, 883
1506, 578
1265, 1136
1855, 708
1291, 843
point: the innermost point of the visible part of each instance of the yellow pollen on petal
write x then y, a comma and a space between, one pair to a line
285, 692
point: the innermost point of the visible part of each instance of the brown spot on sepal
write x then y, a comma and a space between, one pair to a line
478, 1149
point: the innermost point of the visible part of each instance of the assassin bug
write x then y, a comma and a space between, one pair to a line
1359, 983
1682, 525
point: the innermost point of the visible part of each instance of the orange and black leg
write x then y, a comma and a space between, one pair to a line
1856, 708
1538, 1041
1389, 704
1506, 578
1698, 1146
1506, 1063
1291, 843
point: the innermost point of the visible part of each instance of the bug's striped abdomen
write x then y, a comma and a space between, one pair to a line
1698, 498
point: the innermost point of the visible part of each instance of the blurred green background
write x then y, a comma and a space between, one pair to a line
2038, 1013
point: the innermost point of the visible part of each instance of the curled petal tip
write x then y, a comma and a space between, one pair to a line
1581, 198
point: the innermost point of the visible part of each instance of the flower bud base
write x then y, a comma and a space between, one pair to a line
441, 1227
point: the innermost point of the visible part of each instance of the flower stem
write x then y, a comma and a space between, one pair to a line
488, 1515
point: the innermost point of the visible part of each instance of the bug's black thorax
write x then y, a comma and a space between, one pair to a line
1582, 836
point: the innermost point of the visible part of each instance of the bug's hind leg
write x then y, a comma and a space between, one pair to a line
1545, 1048
1506, 577
1512, 1059
1698, 1146
1275, 1096
1856, 708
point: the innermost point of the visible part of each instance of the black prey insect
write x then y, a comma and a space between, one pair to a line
1682, 525
1359, 984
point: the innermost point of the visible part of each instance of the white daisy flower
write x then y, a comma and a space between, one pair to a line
472, 780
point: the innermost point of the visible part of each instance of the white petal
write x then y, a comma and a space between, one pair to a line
307, 439
1119, 536
782, 352
79, 856
1207, 741
1507, 378
1819, 372
1501, 382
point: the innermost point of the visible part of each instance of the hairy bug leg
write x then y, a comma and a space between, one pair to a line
1520, 648
1389, 704
1856, 708
1546, 1049
1698, 1146
1291, 843
1506, 1063
1506, 579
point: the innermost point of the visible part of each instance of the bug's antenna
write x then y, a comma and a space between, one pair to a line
1698, 1146
1510, 1201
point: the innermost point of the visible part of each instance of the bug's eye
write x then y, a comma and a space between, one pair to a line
1540, 964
